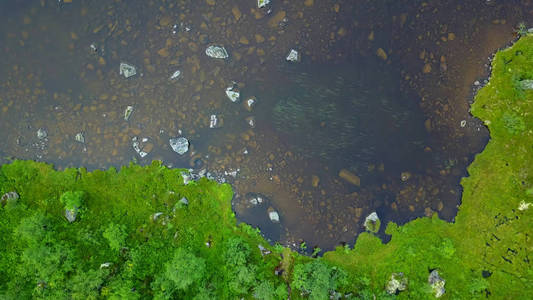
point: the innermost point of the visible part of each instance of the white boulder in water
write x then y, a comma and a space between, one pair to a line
128, 112
179, 145
127, 70
175, 75
372, 222
216, 52
41, 133
262, 3
233, 94
293, 56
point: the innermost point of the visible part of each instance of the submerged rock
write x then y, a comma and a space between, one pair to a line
216, 52
437, 283
179, 145
250, 103
372, 222
350, 177
127, 70
250, 121
255, 198
396, 284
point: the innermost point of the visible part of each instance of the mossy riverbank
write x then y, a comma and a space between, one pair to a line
141, 232
486, 252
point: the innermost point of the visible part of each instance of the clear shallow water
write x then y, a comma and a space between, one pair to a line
342, 107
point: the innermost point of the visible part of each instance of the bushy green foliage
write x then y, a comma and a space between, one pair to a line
317, 279
72, 200
119, 249
115, 236
184, 271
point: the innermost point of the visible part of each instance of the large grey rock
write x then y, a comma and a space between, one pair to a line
186, 177
437, 283
9, 197
396, 284
71, 214
216, 52
526, 84
264, 251
372, 222
179, 145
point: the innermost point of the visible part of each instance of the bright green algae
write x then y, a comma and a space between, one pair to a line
121, 247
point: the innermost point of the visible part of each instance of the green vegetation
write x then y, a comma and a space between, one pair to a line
130, 234
132, 237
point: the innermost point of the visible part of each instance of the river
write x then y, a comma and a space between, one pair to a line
372, 117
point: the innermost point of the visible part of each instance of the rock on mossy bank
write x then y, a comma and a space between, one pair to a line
142, 233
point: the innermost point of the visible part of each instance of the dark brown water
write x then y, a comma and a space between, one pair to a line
381, 91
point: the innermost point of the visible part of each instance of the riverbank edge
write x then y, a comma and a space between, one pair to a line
485, 252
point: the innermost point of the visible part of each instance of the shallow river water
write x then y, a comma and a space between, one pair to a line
373, 116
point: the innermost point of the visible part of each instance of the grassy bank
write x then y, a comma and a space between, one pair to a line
142, 232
